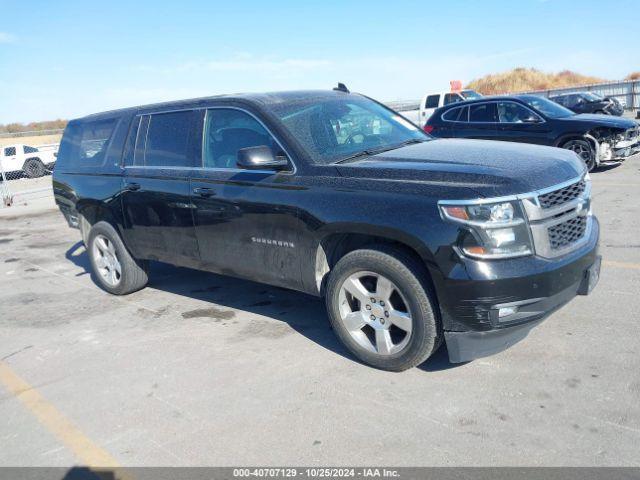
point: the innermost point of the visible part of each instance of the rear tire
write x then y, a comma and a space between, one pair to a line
584, 150
114, 269
389, 321
34, 168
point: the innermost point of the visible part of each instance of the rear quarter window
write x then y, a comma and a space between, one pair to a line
84, 144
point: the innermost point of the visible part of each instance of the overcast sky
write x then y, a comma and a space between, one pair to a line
71, 58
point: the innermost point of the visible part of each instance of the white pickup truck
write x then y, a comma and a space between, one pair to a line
30, 161
431, 101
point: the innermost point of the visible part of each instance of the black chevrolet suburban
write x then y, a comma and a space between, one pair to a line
411, 240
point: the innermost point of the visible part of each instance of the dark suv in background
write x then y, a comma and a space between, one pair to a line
588, 102
411, 240
597, 139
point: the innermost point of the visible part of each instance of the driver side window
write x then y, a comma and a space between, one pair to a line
228, 130
358, 124
511, 112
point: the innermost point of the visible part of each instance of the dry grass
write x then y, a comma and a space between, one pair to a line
525, 79
33, 141
633, 76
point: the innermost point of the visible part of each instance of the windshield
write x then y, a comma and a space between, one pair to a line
336, 128
547, 107
470, 94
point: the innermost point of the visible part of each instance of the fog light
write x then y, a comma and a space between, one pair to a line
506, 311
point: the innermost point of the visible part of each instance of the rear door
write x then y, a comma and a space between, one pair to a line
452, 123
162, 150
246, 220
482, 122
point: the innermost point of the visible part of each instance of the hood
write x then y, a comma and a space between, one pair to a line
601, 120
489, 168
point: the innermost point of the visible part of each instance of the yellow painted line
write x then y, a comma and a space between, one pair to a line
632, 266
83, 447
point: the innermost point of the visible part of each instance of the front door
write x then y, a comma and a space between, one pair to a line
520, 124
246, 222
158, 219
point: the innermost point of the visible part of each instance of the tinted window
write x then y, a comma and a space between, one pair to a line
168, 140
451, 115
85, 143
484, 112
332, 128
9, 151
464, 115
227, 131
459, 114
432, 101
452, 98
560, 100
141, 138
512, 112
28, 149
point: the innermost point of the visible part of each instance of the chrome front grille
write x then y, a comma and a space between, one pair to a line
563, 195
559, 217
566, 233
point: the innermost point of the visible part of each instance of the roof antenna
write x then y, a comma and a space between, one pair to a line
341, 88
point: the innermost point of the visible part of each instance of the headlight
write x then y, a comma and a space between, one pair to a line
493, 230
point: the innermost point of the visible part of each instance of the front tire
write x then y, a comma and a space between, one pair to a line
34, 168
381, 310
584, 150
114, 269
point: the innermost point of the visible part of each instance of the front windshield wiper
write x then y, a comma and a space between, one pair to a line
375, 151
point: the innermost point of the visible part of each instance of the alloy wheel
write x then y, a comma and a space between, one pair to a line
106, 260
584, 151
375, 313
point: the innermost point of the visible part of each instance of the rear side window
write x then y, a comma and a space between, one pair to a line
432, 101
85, 143
28, 149
9, 151
484, 112
166, 140
459, 114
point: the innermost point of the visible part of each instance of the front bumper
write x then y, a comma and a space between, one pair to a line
473, 296
618, 151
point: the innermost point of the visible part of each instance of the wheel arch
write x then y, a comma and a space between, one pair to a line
337, 241
92, 212
576, 136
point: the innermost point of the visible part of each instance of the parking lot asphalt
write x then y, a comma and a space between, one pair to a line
200, 369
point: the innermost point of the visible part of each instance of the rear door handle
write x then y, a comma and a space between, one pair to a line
204, 192
133, 186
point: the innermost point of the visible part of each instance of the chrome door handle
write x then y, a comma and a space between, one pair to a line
132, 186
204, 192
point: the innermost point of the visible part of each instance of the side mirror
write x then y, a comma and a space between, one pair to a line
531, 119
260, 158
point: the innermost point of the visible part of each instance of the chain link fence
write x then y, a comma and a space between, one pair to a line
25, 172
